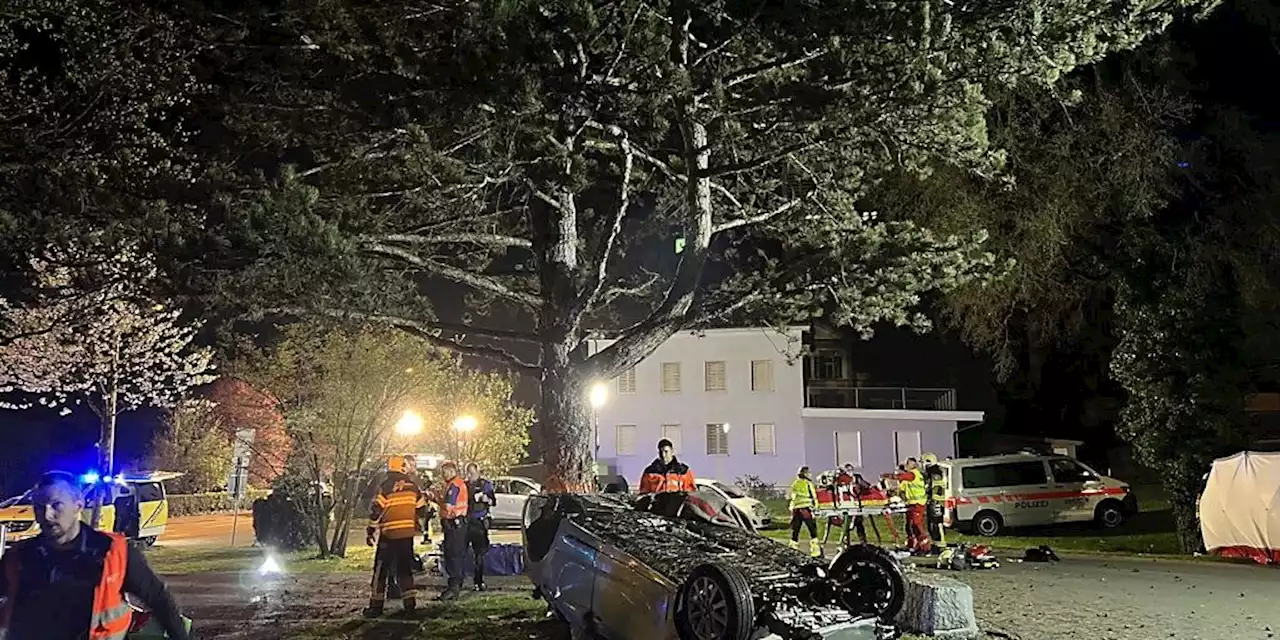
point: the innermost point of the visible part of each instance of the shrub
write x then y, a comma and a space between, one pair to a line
758, 489
194, 504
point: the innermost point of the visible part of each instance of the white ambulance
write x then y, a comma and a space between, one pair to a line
986, 495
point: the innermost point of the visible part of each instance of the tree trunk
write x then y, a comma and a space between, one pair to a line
566, 422
1183, 482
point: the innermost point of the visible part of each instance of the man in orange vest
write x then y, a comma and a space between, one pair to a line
666, 473
453, 520
69, 582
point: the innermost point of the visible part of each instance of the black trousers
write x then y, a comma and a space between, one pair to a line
478, 542
803, 517
454, 549
393, 563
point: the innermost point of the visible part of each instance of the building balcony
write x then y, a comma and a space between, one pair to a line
825, 396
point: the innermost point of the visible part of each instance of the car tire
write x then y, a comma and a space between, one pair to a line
988, 523
871, 580
709, 587
1109, 515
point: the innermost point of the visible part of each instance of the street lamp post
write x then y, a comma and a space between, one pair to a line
599, 396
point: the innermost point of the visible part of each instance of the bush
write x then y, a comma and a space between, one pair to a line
759, 489
194, 504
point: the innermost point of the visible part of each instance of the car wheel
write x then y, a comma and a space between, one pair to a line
871, 581
715, 604
1109, 515
988, 523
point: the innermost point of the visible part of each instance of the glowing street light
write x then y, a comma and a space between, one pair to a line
465, 424
599, 395
410, 424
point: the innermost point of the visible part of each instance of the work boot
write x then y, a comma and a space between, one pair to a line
448, 595
373, 610
479, 587
410, 604
794, 544
815, 548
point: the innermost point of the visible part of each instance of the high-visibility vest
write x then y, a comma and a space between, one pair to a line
111, 614
802, 494
913, 490
396, 507
457, 508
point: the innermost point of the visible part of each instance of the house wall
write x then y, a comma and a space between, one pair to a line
694, 407
878, 450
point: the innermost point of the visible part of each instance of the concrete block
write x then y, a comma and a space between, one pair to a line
938, 606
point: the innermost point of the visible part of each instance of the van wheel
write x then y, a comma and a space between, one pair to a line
988, 523
1109, 515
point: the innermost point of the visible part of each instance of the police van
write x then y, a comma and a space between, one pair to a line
986, 495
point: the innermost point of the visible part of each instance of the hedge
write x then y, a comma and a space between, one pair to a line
193, 504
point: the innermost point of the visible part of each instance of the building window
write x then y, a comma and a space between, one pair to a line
672, 432
626, 440
717, 439
906, 444
627, 381
762, 435
827, 364
671, 377
762, 375
714, 376
849, 448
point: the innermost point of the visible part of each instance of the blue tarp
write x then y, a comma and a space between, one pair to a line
502, 560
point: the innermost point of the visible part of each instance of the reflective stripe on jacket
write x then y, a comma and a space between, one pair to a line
802, 494
398, 507
111, 615
660, 477
456, 499
912, 486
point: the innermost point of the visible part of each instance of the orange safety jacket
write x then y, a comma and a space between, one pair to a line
456, 499
659, 477
398, 508
111, 613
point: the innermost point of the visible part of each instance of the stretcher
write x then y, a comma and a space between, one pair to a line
839, 506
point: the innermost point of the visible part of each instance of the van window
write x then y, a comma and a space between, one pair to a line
150, 492
1068, 471
1003, 475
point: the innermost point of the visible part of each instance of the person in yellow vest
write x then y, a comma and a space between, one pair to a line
453, 521
935, 485
804, 498
395, 516
68, 583
912, 485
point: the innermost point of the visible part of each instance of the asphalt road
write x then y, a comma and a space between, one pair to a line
215, 531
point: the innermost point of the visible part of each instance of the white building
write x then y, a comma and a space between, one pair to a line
737, 402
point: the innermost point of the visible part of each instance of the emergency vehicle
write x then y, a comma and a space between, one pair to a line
988, 494
141, 495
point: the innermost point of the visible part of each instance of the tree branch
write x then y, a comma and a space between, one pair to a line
428, 331
487, 239
473, 280
751, 73
615, 229
763, 161
763, 217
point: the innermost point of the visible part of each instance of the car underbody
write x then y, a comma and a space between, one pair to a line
660, 570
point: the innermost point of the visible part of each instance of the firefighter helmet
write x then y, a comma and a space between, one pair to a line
396, 464
929, 458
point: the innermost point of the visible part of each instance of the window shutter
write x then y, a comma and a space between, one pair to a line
717, 439
764, 439
626, 440
671, 377
762, 375
627, 381
714, 376
672, 432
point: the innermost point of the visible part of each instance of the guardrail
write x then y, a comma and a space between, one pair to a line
842, 397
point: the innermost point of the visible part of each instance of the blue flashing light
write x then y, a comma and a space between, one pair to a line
90, 478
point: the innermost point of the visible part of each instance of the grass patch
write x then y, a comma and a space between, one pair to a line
485, 617
189, 560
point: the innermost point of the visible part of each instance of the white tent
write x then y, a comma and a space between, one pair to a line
1240, 508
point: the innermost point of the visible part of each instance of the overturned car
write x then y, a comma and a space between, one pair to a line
679, 566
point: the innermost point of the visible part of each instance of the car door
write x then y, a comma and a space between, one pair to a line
1025, 490
153, 509
518, 492
630, 599
502, 511
1072, 482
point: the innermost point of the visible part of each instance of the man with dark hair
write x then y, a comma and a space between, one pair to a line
69, 582
666, 473
454, 503
482, 497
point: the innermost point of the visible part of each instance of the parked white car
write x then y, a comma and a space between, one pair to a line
511, 493
760, 516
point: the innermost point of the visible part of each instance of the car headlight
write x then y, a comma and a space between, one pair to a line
760, 510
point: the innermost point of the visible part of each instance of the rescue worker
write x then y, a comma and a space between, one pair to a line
666, 473
395, 517
482, 497
935, 487
454, 503
68, 583
911, 484
804, 498
860, 489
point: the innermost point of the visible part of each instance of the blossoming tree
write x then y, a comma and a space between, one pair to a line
97, 337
